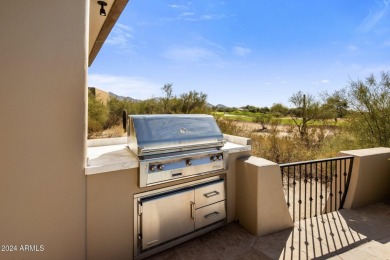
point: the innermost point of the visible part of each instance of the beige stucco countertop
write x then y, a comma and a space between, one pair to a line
111, 154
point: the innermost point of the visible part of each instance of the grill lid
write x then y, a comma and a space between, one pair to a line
155, 134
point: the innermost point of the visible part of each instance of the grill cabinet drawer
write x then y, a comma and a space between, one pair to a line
210, 214
209, 194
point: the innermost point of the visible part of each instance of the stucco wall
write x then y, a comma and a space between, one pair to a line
370, 177
110, 214
261, 205
43, 70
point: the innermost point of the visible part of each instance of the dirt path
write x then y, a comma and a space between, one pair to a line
283, 130
250, 127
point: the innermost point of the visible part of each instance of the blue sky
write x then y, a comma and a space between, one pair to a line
243, 52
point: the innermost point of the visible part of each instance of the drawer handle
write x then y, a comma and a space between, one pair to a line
211, 215
211, 194
193, 210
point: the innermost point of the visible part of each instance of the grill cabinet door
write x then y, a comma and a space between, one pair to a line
166, 217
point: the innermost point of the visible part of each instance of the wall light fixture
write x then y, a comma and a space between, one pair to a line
102, 4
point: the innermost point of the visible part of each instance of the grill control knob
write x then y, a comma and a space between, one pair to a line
213, 158
189, 162
220, 157
152, 168
160, 167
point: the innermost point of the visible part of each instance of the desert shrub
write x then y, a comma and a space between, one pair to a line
341, 141
263, 120
116, 108
94, 125
370, 101
290, 148
114, 131
230, 127
280, 149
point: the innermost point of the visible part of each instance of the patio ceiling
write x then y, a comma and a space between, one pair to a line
101, 26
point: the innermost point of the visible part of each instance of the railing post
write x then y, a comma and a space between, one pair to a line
349, 174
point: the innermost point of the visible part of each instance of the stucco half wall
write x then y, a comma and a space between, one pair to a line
110, 209
260, 204
370, 179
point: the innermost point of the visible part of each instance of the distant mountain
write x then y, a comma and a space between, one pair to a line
154, 98
221, 106
123, 98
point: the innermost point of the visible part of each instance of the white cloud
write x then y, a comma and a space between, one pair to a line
374, 16
123, 27
186, 14
120, 36
375, 69
241, 51
174, 6
321, 82
192, 13
135, 87
177, 6
352, 48
208, 17
193, 17
190, 54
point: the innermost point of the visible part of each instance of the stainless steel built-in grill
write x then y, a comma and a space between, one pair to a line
174, 146
168, 148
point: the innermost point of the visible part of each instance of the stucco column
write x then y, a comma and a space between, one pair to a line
370, 179
260, 204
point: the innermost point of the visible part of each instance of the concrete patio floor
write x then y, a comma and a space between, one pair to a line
346, 234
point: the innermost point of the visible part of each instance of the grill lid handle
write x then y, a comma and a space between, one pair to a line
124, 120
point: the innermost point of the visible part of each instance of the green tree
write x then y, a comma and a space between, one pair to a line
370, 101
279, 109
306, 110
264, 110
150, 106
116, 107
252, 109
193, 102
166, 101
335, 105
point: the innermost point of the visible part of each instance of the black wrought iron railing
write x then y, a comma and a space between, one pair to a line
316, 187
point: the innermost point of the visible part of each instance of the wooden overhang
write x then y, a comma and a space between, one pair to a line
101, 26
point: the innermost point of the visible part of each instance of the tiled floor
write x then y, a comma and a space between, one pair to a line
347, 234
